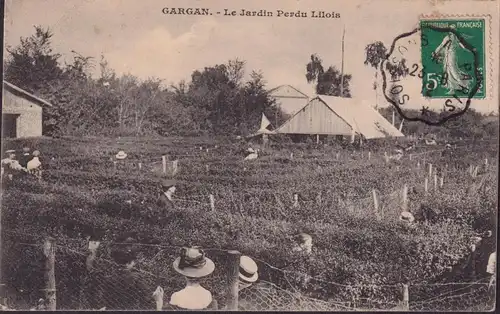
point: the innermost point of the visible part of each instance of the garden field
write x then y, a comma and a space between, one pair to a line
359, 253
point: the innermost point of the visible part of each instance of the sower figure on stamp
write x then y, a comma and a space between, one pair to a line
455, 78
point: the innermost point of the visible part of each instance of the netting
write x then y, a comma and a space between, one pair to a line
108, 284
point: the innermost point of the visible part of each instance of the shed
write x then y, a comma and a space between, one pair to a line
330, 115
21, 112
288, 98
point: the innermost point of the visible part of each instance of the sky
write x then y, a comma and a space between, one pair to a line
136, 37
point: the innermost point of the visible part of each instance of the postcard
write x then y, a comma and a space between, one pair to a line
250, 155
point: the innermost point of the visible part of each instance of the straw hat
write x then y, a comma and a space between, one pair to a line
407, 217
193, 263
10, 151
36, 153
121, 155
248, 270
168, 183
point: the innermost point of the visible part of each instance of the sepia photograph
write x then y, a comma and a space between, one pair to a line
230, 155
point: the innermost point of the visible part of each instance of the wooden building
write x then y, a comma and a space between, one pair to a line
21, 112
329, 115
288, 99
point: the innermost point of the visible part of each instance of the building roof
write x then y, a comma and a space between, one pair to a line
21, 92
287, 91
362, 118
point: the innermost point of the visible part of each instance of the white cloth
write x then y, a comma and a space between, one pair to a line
192, 297
492, 263
33, 163
12, 164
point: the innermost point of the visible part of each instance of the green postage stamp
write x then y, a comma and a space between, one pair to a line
453, 58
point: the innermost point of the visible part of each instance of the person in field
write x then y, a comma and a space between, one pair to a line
25, 156
168, 189
34, 166
193, 265
11, 166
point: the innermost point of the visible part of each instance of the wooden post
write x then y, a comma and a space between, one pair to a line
435, 181
295, 200
426, 185
114, 164
375, 203
369, 155
317, 138
474, 174
430, 170
175, 165
164, 163
207, 168
212, 202
410, 156
291, 155
50, 277
405, 198
386, 157
418, 164
93, 246
337, 156
486, 164
406, 298
233, 288
140, 165
158, 296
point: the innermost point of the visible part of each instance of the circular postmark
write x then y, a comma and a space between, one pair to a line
436, 70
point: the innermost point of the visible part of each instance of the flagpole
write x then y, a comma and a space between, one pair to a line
342, 66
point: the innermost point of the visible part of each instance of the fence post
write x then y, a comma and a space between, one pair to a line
430, 170
140, 165
164, 163
486, 164
418, 164
212, 202
435, 181
50, 278
337, 156
291, 155
207, 168
386, 157
375, 203
295, 200
234, 271
158, 296
405, 198
426, 184
410, 157
369, 155
441, 182
114, 164
93, 245
406, 298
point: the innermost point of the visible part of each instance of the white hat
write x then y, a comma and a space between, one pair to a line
407, 216
121, 155
248, 270
193, 263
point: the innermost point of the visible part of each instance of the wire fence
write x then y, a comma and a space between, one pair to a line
108, 284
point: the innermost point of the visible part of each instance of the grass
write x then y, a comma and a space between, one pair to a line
83, 194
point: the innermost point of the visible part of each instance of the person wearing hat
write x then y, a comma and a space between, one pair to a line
34, 166
10, 165
25, 157
166, 197
193, 265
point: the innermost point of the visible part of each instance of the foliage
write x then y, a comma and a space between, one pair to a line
327, 82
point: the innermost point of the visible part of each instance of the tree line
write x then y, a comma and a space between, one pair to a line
217, 100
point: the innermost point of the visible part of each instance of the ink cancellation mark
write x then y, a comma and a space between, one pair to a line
444, 72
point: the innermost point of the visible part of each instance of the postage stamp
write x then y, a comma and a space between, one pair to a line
442, 63
450, 49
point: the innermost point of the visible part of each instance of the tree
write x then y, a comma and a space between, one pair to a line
327, 82
376, 52
33, 64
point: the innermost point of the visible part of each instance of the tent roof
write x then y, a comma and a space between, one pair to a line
363, 118
286, 91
